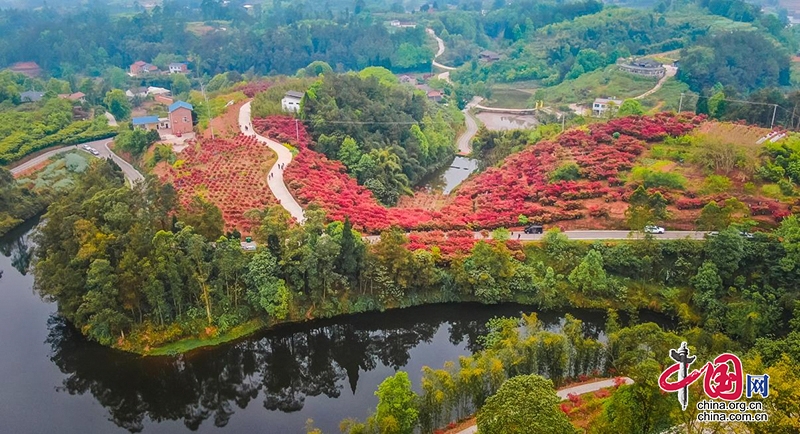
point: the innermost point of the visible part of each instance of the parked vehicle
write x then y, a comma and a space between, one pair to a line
534, 229
650, 229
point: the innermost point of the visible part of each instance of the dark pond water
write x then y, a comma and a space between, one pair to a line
52, 380
447, 178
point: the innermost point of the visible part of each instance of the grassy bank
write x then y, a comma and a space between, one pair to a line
192, 343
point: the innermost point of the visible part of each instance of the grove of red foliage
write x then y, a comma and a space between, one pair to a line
230, 173
254, 87
284, 129
496, 197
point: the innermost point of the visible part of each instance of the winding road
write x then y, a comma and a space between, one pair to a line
564, 393
463, 141
131, 174
439, 52
671, 71
276, 183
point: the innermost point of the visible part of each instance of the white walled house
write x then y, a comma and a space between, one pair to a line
291, 101
602, 105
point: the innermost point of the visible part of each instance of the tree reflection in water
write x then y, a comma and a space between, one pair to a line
17, 245
285, 365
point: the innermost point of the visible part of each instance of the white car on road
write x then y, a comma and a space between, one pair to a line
650, 229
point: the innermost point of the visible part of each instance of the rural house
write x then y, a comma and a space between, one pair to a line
140, 92
31, 96
407, 79
488, 56
141, 67
28, 69
435, 95
178, 68
77, 96
603, 105
146, 122
180, 117
291, 101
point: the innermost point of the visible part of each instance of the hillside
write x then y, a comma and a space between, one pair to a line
614, 175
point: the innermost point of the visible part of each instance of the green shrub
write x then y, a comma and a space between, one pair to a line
786, 187
566, 172
653, 179
716, 184
772, 191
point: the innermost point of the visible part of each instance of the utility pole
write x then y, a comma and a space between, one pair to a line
297, 130
680, 104
563, 121
774, 111
208, 109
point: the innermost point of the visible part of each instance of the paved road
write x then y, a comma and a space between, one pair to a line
276, 184
590, 235
589, 387
671, 71
112, 122
609, 235
38, 160
439, 52
563, 393
463, 140
131, 174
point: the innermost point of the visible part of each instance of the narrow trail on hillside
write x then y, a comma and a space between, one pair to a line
671, 71
276, 183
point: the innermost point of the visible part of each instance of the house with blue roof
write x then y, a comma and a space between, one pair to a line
146, 122
180, 117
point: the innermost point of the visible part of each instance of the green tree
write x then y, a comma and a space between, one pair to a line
266, 290
396, 412
99, 308
590, 277
117, 104
349, 153
639, 408
180, 84
487, 272
630, 107
204, 217
524, 404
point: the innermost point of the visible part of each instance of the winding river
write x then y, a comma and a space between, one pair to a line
53, 380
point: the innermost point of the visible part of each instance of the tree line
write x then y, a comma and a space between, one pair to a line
278, 40
511, 382
129, 272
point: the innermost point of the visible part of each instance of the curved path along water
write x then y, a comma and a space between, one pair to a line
276, 183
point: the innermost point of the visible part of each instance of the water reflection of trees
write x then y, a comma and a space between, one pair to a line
17, 246
284, 367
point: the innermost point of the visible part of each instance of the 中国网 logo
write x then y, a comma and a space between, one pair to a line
723, 378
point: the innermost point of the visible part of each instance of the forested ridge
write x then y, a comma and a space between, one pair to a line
275, 41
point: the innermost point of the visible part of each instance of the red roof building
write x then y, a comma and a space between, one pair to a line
30, 69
